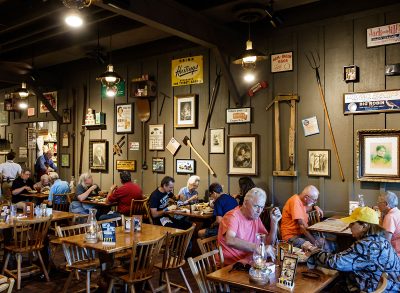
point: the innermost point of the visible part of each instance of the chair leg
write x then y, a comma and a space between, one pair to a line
168, 283
11, 282
133, 288
68, 281
151, 286
185, 280
43, 267
88, 282
6, 262
19, 261
110, 286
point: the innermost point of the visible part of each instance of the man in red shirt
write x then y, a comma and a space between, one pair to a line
123, 195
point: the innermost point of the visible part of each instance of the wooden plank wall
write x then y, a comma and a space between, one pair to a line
340, 41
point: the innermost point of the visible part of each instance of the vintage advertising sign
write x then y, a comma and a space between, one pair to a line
282, 62
126, 165
186, 71
383, 35
238, 115
380, 101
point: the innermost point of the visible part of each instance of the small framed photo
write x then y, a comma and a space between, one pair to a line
238, 115
51, 97
30, 112
66, 116
156, 137
98, 155
126, 165
124, 118
185, 110
4, 115
10, 137
185, 166
319, 163
217, 141
242, 158
158, 165
310, 126
65, 139
351, 73
281, 62
64, 160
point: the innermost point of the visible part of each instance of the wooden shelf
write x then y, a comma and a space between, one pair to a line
95, 126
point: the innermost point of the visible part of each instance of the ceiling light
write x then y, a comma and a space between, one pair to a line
111, 91
77, 4
110, 77
249, 76
74, 18
23, 104
23, 92
249, 57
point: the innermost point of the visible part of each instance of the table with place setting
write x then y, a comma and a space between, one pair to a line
201, 211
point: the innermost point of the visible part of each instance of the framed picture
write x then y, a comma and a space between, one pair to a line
64, 160
158, 165
319, 163
242, 154
156, 137
65, 139
126, 165
369, 102
124, 118
185, 166
282, 62
310, 126
66, 116
378, 155
30, 112
10, 137
217, 141
51, 97
383, 35
351, 73
98, 155
238, 115
185, 111
4, 115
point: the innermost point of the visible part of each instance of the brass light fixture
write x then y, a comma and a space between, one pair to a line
23, 91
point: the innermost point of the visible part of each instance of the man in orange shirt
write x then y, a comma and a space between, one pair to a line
295, 218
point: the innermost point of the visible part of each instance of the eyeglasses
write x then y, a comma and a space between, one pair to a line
312, 199
255, 206
238, 266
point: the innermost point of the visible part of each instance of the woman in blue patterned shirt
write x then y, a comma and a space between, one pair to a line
366, 260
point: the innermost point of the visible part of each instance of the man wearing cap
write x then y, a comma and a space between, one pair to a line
367, 259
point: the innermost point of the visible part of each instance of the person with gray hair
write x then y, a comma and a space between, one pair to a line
189, 193
387, 204
59, 187
85, 188
43, 183
239, 227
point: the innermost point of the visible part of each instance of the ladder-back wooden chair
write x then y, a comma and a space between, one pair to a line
141, 207
141, 266
28, 238
61, 202
210, 244
313, 217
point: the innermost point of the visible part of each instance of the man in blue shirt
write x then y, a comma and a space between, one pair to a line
43, 163
58, 187
223, 204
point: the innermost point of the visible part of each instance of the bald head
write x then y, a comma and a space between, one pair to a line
309, 195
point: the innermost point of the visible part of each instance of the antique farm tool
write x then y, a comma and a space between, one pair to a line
187, 142
117, 148
163, 101
291, 99
256, 88
143, 106
314, 61
85, 98
212, 103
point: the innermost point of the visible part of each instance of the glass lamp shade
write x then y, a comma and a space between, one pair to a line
110, 77
111, 91
23, 104
250, 56
22, 91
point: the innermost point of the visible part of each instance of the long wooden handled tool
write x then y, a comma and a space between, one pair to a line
315, 63
187, 142
143, 107
85, 98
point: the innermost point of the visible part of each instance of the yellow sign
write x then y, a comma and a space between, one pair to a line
126, 165
186, 71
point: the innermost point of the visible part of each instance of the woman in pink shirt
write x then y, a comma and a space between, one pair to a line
387, 204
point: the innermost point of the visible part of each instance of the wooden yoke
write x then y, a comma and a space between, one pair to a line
291, 99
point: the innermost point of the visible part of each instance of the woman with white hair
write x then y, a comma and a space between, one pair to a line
387, 204
85, 188
189, 193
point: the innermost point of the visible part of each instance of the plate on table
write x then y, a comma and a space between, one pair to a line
47, 192
32, 191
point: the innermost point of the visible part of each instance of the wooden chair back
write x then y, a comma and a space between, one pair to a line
208, 244
205, 264
313, 217
176, 245
141, 207
29, 235
61, 202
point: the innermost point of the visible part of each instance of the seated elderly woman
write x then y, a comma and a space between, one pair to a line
85, 188
366, 260
44, 183
189, 193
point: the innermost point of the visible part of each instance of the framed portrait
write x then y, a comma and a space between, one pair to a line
217, 141
64, 160
4, 115
378, 155
238, 115
51, 97
66, 116
124, 118
158, 164
185, 110
282, 62
156, 137
242, 154
185, 166
351, 73
126, 165
319, 163
98, 155
65, 139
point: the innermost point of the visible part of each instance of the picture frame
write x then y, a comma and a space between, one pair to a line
351, 73
4, 116
65, 160
30, 112
281, 62
66, 118
310, 126
124, 118
126, 165
238, 115
187, 166
378, 153
371, 102
243, 154
383, 35
158, 165
217, 140
51, 97
156, 137
185, 111
98, 155
65, 139
319, 162
10, 137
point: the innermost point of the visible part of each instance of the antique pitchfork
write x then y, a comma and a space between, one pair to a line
314, 61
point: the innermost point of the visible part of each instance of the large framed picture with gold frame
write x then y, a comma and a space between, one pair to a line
98, 155
242, 154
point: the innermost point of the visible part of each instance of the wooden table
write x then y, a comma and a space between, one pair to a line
38, 195
195, 214
331, 225
302, 284
99, 203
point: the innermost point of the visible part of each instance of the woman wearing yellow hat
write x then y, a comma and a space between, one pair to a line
366, 260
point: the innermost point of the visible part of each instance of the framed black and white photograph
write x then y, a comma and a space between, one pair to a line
98, 154
351, 73
238, 115
64, 160
124, 118
217, 141
156, 137
4, 115
242, 154
158, 165
65, 139
185, 166
66, 116
319, 163
185, 110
